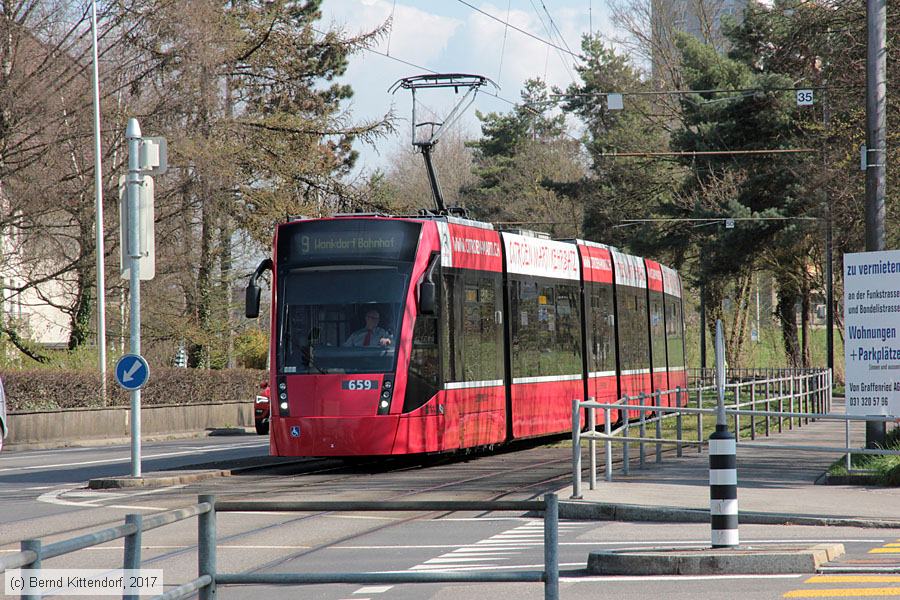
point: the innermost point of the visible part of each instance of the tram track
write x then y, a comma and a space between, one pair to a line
443, 486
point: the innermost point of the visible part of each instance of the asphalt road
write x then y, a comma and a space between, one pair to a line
42, 494
31, 480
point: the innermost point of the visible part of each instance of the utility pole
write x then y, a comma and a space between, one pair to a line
876, 150
98, 193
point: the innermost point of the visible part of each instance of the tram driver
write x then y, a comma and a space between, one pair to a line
371, 334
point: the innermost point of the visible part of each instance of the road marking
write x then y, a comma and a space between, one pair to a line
227, 547
361, 517
374, 589
127, 459
854, 579
884, 551
605, 578
462, 559
425, 547
444, 568
481, 552
844, 593
53, 498
481, 519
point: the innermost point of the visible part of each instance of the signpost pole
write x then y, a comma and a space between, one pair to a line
135, 180
876, 148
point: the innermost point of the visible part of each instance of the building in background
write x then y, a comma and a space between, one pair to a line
32, 311
703, 19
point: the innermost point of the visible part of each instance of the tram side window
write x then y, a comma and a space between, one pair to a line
675, 331
473, 351
657, 330
546, 336
603, 341
633, 328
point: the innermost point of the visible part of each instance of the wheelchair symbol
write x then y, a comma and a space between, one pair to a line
295, 431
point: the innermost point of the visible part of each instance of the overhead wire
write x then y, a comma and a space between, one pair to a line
503, 45
556, 27
549, 31
519, 29
432, 71
391, 32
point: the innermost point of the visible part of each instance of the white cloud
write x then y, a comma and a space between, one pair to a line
446, 37
416, 35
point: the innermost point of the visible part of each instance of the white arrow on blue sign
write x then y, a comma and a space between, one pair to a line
132, 371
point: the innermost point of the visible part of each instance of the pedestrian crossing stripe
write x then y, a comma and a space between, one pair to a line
854, 579
845, 593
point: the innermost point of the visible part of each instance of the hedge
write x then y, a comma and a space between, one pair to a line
48, 390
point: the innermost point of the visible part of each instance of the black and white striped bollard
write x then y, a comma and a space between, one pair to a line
723, 503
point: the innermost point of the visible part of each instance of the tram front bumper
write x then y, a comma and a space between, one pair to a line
333, 436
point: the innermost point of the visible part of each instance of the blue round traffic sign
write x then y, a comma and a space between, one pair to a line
132, 371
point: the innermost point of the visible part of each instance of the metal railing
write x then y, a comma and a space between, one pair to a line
33, 551
208, 578
801, 395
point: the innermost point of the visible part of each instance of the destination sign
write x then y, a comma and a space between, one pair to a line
347, 240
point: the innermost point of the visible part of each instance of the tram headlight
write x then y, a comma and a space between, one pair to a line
283, 405
384, 400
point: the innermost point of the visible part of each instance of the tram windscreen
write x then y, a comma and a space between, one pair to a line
340, 311
341, 320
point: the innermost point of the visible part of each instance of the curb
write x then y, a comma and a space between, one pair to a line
122, 441
590, 511
160, 479
154, 480
706, 561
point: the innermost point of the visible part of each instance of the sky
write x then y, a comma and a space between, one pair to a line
449, 37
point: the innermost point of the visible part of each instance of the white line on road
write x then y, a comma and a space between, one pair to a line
374, 589
226, 547
54, 498
126, 459
481, 567
611, 578
481, 551
442, 559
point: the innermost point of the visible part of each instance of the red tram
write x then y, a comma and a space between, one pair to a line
407, 335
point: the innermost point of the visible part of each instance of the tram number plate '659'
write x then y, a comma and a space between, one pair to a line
356, 385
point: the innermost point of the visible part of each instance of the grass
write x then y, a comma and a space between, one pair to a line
669, 426
886, 469
768, 352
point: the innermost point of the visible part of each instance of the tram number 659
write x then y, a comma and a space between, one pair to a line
359, 384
